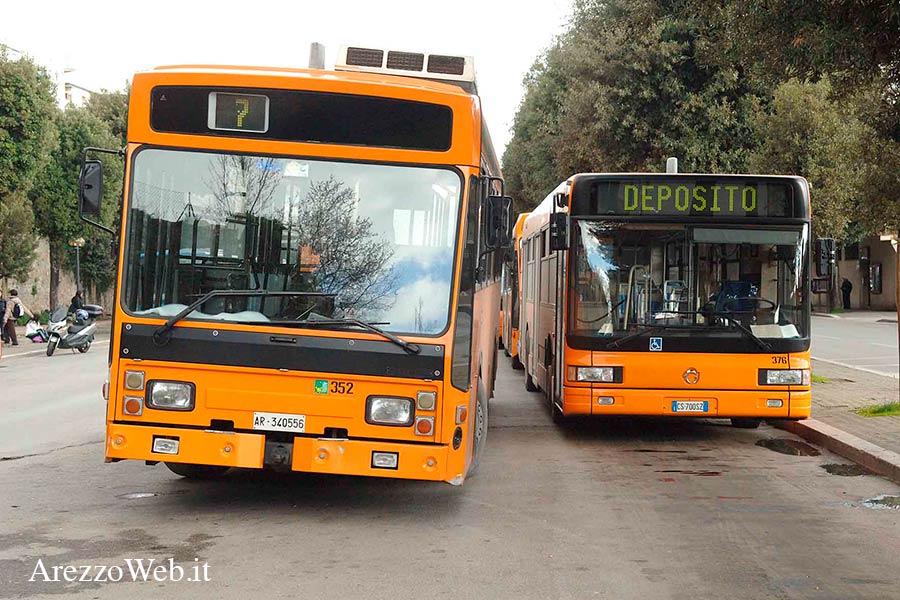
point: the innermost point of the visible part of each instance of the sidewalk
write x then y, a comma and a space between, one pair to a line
869, 316
848, 389
27, 347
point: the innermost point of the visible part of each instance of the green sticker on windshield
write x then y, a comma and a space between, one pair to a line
321, 386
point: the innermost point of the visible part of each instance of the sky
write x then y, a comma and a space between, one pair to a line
107, 41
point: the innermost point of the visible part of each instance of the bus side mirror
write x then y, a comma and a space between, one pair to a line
559, 231
499, 219
825, 251
90, 185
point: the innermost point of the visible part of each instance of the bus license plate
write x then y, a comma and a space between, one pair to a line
279, 422
697, 406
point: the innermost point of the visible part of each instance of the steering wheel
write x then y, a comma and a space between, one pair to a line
757, 299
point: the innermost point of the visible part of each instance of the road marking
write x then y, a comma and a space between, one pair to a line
872, 371
891, 346
825, 337
44, 351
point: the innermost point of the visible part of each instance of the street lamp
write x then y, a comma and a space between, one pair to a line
78, 244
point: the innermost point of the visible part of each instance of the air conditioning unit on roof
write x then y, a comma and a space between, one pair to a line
459, 70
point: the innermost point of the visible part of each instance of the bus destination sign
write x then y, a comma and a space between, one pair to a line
708, 196
238, 112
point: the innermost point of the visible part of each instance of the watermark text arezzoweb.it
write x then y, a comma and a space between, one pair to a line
134, 569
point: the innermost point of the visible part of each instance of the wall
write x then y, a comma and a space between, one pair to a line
880, 252
35, 291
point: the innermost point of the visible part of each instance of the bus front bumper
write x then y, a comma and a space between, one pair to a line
751, 403
311, 455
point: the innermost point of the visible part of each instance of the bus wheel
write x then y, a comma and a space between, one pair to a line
529, 383
556, 414
197, 471
516, 363
745, 422
479, 428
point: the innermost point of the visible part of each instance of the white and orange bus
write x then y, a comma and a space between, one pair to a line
669, 294
308, 277
511, 282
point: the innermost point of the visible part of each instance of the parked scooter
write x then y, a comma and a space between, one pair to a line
76, 333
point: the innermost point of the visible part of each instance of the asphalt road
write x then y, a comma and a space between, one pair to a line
52, 402
857, 343
604, 509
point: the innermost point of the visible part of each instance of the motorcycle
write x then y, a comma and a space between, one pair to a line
76, 333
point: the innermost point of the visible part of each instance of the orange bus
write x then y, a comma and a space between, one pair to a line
510, 293
675, 295
308, 277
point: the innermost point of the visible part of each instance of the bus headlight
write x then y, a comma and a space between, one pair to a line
601, 374
784, 377
170, 395
388, 410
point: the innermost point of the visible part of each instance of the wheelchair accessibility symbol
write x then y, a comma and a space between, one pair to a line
656, 344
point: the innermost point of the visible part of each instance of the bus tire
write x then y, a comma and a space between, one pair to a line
745, 422
197, 471
516, 363
479, 428
529, 383
557, 415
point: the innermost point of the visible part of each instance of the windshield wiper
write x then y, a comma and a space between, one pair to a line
408, 346
743, 329
655, 328
649, 329
163, 334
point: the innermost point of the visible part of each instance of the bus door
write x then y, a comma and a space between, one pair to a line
559, 337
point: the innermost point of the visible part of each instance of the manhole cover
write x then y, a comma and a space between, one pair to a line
845, 470
788, 446
883, 502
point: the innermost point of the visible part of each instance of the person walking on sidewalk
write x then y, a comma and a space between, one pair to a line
3, 337
14, 309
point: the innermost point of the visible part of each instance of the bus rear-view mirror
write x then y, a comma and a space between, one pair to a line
499, 221
559, 231
90, 185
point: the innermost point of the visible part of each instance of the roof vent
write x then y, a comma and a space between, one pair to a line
438, 67
406, 61
365, 57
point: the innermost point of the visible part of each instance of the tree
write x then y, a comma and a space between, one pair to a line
26, 105
55, 195
625, 87
351, 259
26, 109
804, 131
17, 238
112, 109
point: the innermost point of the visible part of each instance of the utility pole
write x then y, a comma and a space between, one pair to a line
316, 56
78, 244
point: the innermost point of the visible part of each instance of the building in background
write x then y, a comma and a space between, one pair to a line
68, 91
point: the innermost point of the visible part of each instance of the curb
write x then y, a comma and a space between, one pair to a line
886, 321
874, 458
827, 315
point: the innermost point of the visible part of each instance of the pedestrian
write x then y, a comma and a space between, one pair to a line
14, 309
77, 302
846, 288
3, 337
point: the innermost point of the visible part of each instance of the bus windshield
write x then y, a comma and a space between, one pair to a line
633, 276
373, 242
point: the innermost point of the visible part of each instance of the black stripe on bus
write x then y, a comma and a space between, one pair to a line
263, 350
